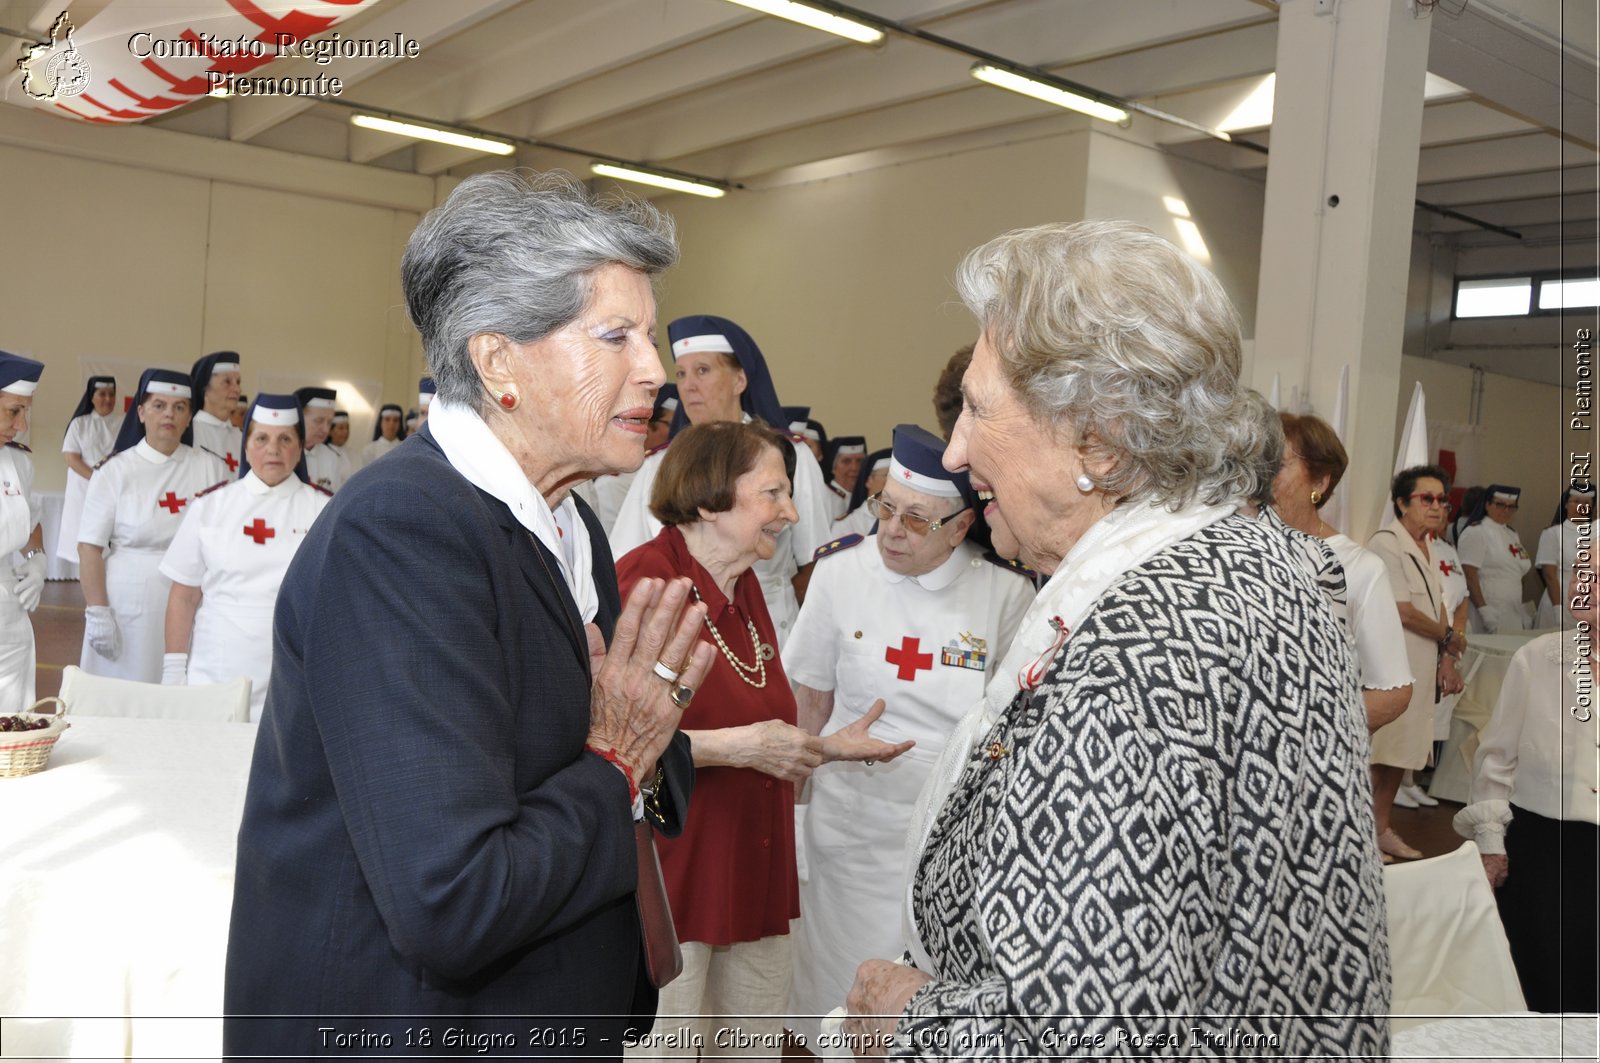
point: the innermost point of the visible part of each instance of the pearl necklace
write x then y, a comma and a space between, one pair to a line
740, 669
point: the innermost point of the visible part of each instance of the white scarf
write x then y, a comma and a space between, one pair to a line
1119, 542
477, 454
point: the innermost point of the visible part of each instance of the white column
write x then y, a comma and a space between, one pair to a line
1336, 238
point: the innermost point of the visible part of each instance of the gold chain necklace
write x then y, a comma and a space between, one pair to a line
742, 670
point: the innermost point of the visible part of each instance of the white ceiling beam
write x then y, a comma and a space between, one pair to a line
1517, 69
849, 81
653, 62
857, 138
1460, 121
1520, 214
749, 48
1526, 154
426, 21
1465, 194
579, 39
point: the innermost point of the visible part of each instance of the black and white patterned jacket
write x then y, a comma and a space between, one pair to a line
1168, 849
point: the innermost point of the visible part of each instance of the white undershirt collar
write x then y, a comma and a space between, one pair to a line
476, 453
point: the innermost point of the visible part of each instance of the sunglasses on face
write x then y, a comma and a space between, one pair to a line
1430, 499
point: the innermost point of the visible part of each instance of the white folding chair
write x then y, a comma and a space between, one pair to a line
93, 695
1447, 946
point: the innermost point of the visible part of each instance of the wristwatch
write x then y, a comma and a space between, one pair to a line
27, 555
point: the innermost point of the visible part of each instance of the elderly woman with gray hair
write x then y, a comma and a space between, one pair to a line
1155, 834
439, 831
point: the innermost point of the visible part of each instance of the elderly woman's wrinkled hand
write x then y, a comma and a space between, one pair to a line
1450, 681
632, 712
1497, 867
875, 1002
854, 743
779, 749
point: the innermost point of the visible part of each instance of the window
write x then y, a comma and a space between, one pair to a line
1557, 294
1494, 297
1527, 294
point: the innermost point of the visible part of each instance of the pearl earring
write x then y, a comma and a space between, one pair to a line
1084, 483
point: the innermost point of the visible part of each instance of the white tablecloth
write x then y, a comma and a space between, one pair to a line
1483, 667
116, 883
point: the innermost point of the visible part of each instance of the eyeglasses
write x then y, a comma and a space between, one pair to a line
1507, 505
1430, 500
912, 523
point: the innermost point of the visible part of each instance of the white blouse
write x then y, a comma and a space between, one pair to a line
91, 436
136, 500
1538, 750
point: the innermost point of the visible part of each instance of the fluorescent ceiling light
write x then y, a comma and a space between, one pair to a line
659, 180
441, 136
1039, 90
815, 18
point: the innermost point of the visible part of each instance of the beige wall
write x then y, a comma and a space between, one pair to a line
1522, 439
107, 265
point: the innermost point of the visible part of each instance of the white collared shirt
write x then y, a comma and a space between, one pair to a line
476, 453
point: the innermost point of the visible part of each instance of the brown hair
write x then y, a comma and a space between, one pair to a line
703, 466
1319, 449
947, 392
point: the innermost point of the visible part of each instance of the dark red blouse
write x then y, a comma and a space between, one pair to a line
731, 874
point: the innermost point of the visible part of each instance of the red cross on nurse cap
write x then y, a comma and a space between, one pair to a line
279, 411
918, 462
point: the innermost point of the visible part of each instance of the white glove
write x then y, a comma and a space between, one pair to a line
1490, 625
100, 627
30, 582
175, 669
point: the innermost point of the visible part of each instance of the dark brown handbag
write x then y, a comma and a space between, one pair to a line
663, 959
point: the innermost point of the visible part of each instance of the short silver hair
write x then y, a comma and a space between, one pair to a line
1111, 334
515, 252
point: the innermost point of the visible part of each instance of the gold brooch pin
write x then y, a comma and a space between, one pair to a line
995, 750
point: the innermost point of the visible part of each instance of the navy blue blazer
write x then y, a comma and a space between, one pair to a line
424, 836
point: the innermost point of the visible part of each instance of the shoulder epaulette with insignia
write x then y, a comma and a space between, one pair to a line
213, 487
1013, 566
319, 487
657, 450
837, 546
20, 446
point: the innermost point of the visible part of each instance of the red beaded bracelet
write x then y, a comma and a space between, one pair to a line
611, 755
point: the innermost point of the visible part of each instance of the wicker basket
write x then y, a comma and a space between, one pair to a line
27, 752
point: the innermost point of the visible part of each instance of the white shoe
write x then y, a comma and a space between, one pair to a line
1419, 795
1403, 798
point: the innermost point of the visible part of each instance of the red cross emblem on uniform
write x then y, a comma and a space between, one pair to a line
259, 531
172, 503
1446, 567
1516, 549
908, 660
233, 462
